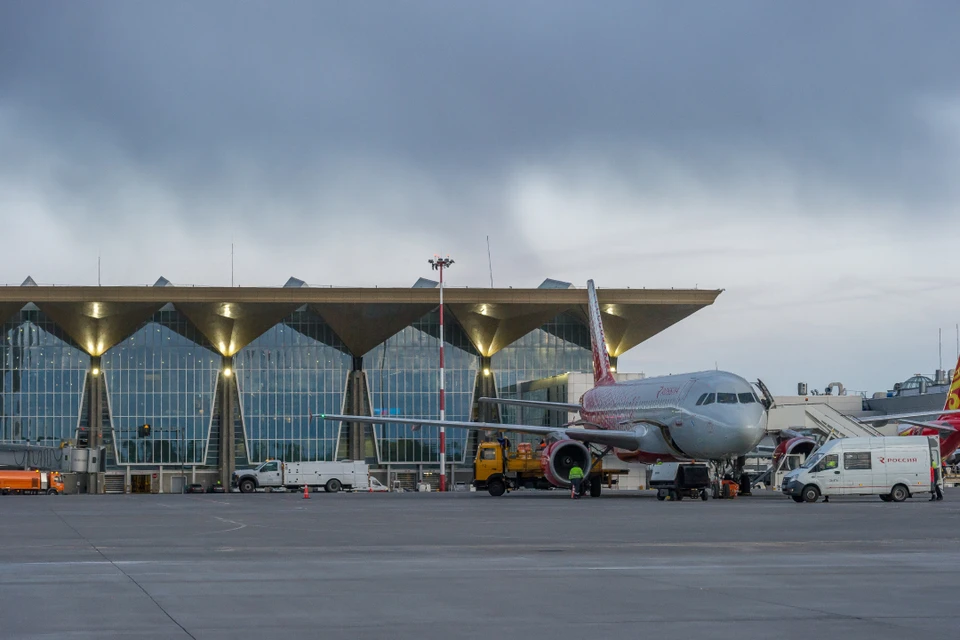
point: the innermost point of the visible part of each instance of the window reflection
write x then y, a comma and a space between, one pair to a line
561, 345
164, 375
295, 369
42, 377
403, 376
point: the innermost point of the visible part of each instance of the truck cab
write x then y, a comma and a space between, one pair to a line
266, 474
497, 468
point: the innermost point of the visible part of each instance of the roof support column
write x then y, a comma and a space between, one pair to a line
484, 386
228, 445
95, 420
356, 403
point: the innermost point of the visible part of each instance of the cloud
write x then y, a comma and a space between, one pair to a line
804, 158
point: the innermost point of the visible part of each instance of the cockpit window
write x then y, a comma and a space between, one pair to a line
710, 399
701, 399
746, 398
727, 398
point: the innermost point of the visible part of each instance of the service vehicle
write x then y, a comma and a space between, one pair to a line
332, 476
33, 482
675, 481
892, 467
497, 469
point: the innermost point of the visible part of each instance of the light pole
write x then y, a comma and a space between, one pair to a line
439, 264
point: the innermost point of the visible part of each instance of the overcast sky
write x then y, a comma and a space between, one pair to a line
802, 156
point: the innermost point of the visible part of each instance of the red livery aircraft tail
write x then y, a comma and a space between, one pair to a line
953, 395
601, 359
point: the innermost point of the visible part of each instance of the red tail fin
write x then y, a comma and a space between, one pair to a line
601, 359
953, 395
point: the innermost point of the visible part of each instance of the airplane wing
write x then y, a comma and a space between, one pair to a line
943, 428
621, 439
899, 417
539, 404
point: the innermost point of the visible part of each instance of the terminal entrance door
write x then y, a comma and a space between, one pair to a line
140, 483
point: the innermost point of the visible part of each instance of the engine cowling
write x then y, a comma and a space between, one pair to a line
559, 457
797, 445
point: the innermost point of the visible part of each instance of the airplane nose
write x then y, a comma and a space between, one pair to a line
751, 434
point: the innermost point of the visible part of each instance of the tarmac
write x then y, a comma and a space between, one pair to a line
466, 565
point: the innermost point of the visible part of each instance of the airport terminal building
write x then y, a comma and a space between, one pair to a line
228, 377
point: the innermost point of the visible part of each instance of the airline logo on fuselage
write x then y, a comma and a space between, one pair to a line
668, 391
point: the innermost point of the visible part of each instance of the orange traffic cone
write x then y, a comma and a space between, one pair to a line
306, 492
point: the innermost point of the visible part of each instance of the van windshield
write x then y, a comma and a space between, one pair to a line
812, 461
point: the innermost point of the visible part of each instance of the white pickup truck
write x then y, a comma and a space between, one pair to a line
332, 476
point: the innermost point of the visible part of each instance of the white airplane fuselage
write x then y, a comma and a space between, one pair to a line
708, 415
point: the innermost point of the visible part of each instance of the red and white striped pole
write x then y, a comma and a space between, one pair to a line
439, 263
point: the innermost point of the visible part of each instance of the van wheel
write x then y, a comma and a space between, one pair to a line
333, 486
247, 486
661, 494
51, 492
496, 487
703, 495
797, 498
899, 493
885, 497
811, 493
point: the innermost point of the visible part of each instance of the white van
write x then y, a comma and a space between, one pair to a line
892, 467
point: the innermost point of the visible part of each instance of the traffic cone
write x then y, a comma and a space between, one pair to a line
306, 492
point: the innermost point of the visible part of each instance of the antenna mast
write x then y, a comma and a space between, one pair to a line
490, 262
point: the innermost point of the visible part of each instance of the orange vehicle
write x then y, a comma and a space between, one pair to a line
49, 482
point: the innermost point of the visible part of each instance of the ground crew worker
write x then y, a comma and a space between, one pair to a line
576, 478
936, 477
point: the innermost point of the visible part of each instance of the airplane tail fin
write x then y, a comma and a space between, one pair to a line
953, 395
601, 359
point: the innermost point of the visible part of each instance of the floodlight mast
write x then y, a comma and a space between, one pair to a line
439, 264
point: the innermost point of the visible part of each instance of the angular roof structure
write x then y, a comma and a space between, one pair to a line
232, 317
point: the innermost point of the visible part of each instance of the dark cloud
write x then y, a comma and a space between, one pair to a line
653, 144
462, 90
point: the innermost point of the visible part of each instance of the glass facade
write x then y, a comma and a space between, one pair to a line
403, 376
164, 375
561, 345
295, 369
43, 374
168, 375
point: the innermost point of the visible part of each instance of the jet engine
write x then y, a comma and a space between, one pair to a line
559, 457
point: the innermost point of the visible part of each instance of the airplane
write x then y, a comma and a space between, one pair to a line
946, 426
711, 416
